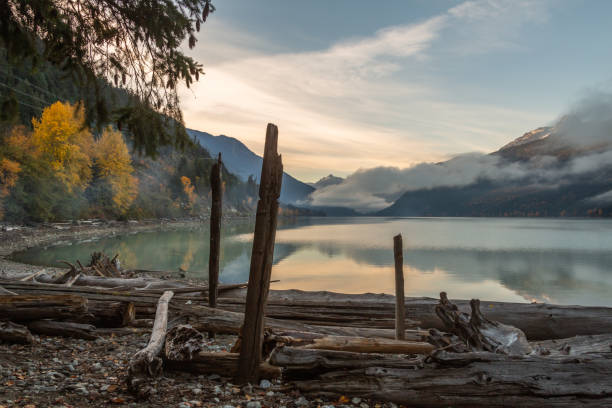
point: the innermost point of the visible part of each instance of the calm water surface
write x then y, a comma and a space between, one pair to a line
523, 260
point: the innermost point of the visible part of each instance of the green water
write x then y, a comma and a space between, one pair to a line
545, 260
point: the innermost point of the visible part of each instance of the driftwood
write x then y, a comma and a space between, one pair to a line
400, 311
21, 308
480, 379
63, 329
222, 363
221, 321
538, 321
252, 333
302, 363
480, 333
110, 314
4, 292
574, 346
352, 344
14, 333
146, 363
215, 231
182, 342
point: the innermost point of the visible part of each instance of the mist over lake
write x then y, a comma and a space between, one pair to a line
521, 260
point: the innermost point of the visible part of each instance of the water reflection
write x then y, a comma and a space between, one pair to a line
556, 261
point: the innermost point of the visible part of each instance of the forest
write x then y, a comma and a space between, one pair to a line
54, 167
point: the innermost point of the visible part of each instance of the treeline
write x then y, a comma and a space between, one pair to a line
57, 169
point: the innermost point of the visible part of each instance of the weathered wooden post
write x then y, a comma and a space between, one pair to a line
261, 259
215, 232
400, 308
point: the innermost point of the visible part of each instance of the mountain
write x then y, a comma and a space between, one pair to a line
560, 177
327, 181
241, 161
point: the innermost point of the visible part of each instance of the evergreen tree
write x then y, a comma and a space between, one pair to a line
132, 44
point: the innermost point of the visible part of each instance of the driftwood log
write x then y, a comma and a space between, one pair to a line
479, 379
63, 329
21, 308
110, 314
539, 321
220, 321
479, 333
146, 363
14, 333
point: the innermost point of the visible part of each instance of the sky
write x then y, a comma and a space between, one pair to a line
355, 85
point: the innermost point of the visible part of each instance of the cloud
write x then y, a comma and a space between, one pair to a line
586, 131
361, 102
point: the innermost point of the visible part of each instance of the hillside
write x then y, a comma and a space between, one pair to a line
241, 161
562, 178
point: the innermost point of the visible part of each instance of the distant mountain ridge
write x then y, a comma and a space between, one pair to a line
242, 162
584, 193
330, 180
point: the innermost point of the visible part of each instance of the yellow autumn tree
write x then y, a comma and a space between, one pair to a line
189, 190
114, 167
63, 141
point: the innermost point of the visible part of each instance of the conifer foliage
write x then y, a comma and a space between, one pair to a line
132, 44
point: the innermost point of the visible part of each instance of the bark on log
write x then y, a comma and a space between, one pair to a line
215, 232
22, 308
63, 329
480, 379
222, 363
370, 345
400, 311
111, 314
574, 346
4, 292
539, 321
302, 363
146, 363
261, 259
14, 333
220, 321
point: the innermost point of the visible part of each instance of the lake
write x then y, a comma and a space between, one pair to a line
508, 259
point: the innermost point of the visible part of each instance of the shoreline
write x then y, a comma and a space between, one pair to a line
15, 238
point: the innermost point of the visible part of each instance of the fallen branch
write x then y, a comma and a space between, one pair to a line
146, 363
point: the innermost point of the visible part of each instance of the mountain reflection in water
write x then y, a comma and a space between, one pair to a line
545, 260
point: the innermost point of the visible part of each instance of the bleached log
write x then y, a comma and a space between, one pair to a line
146, 363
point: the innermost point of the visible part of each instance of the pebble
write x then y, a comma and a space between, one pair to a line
253, 404
301, 402
356, 400
196, 391
265, 384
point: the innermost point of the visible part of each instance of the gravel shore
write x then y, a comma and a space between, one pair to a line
67, 372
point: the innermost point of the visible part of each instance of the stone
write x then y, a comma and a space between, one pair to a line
253, 404
265, 384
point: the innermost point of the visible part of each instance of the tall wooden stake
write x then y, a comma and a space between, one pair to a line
261, 259
400, 308
215, 232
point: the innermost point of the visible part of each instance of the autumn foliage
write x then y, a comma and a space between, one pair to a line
46, 173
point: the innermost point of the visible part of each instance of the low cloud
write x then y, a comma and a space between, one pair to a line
585, 130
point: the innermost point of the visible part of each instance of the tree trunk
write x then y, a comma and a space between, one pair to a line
261, 259
215, 232
400, 310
